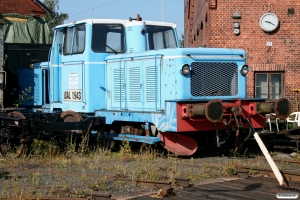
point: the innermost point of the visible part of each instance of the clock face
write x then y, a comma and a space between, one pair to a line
269, 22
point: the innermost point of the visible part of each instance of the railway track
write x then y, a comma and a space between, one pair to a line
262, 187
166, 185
287, 174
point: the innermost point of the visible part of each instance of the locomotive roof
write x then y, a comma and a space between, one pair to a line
124, 22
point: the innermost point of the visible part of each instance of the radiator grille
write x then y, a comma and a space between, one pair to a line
214, 79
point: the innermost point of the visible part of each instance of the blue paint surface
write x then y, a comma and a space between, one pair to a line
131, 71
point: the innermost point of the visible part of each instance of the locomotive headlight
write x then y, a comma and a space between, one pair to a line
185, 70
245, 70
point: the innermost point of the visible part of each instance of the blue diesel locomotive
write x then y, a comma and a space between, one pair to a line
129, 79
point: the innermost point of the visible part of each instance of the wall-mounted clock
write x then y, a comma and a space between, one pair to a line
269, 22
236, 31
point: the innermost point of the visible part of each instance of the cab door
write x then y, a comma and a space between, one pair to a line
73, 68
56, 65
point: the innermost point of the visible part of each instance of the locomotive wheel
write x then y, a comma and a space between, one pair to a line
22, 148
71, 116
16, 114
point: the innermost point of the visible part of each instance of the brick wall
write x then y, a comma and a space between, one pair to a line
282, 56
23, 7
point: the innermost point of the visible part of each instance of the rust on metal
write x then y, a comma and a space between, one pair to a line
213, 110
131, 130
288, 175
178, 143
58, 198
93, 197
166, 192
237, 110
182, 182
99, 196
265, 107
71, 116
282, 108
151, 183
195, 109
288, 161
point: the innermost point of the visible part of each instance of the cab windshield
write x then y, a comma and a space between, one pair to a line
108, 38
160, 37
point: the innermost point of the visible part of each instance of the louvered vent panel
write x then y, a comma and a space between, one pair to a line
134, 82
119, 85
152, 83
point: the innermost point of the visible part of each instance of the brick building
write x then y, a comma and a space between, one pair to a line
269, 31
24, 7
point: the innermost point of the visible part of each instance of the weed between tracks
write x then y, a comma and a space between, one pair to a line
81, 168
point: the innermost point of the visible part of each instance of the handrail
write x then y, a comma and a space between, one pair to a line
156, 98
130, 57
72, 62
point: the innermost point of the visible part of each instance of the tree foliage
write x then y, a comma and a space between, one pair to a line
56, 18
181, 40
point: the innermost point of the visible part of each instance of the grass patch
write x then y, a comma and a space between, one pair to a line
82, 167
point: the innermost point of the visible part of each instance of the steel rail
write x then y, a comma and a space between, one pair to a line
287, 175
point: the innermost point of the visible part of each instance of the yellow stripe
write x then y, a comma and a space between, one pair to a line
14, 19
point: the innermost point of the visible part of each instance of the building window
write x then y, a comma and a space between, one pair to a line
269, 85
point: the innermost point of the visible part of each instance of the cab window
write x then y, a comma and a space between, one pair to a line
160, 37
74, 42
108, 38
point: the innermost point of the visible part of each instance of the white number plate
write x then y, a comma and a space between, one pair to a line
73, 95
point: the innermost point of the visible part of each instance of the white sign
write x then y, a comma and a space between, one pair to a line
73, 95
73, 81
269, 44
287, 195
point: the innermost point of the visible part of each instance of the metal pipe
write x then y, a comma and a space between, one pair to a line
265, 108
282, 108
213, 110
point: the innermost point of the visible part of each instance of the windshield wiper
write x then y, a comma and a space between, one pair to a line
109, 47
